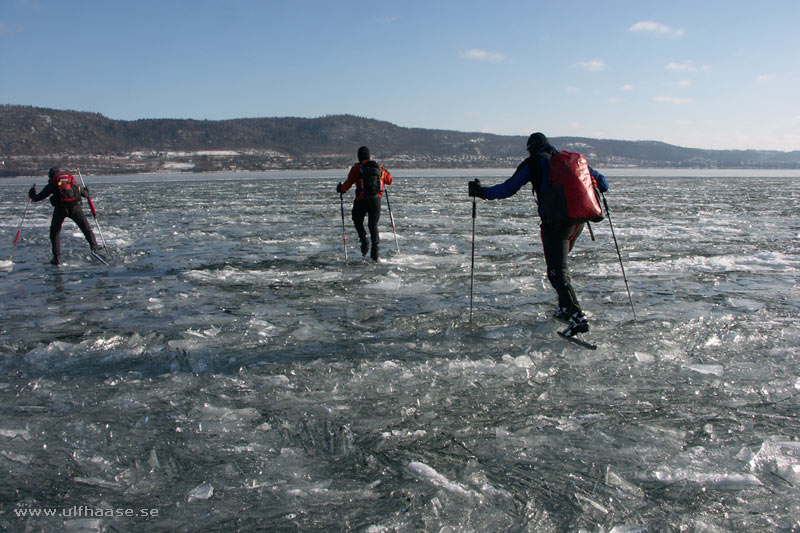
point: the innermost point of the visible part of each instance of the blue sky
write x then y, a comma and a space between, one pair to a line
702, 73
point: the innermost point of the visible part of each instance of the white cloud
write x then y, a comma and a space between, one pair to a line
571, 89
648, 26
765, 78
686, 66
476, 54
5, 29
672, 100
627, 87
594, 65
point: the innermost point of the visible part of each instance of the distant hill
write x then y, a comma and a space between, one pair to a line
32, 139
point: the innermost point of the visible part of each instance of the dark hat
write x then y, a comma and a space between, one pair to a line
363, 154
53, 174
536, 142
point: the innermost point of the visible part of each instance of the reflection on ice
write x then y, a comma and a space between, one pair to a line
705, 369
201, 492
433, 477
780, 458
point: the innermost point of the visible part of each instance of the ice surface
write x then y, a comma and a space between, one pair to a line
201, 492
230, 370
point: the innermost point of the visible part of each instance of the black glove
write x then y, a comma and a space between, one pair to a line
32, 192
339, 187
476, 189
87, 194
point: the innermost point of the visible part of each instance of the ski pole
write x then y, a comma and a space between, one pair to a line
19, 230
472, 267
344, 235
389, 204
624, 277
94, 212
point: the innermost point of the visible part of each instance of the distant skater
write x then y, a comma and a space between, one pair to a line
65, 195
370, 178
559, 230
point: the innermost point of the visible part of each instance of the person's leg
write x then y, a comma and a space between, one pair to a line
576, 232
374, 210
76, 214
359, 212
557, 242
59, 214
556, 245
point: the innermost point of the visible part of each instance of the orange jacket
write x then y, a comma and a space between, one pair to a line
354, 177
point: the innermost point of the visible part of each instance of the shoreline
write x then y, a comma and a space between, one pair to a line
665, 172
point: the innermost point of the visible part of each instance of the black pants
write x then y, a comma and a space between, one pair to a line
370, 206
557, 241
75, 213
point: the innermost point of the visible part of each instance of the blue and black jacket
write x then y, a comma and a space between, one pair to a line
532, 170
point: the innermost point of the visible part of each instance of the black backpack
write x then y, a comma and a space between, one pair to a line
371, 173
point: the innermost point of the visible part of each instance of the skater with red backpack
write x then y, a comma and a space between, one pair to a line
564, 186
65, 195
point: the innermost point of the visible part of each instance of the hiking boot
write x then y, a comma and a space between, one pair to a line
364, 248
55, 261
577, 324
562, 314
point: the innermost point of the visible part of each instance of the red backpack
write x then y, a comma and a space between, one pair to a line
67, 191
568, 191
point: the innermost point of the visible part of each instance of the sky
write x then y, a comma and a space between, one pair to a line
704, 73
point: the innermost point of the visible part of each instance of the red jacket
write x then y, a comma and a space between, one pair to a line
354, 177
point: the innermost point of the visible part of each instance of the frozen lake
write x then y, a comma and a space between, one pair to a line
229, 371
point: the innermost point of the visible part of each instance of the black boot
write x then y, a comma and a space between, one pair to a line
577, 324
562, 314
